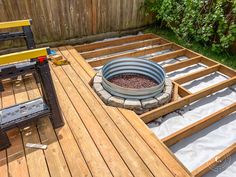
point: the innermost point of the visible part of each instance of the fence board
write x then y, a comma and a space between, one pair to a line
58, 20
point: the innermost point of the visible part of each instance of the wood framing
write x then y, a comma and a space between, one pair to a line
175, 51
111, 141
181, 95
199, 125
114, 42
170, 107
104, 60
115, 49
207, 166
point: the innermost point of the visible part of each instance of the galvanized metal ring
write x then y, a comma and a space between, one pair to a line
134, 66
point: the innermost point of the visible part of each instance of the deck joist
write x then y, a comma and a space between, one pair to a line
181, 96
98, 140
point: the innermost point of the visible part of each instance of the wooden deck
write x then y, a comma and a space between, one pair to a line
96, 140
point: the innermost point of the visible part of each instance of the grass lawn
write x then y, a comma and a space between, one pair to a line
224, 57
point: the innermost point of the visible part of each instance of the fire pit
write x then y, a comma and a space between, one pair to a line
136, 84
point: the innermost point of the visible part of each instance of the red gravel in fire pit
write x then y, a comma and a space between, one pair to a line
135, 81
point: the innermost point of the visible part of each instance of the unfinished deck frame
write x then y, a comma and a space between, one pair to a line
109, 50
97, 140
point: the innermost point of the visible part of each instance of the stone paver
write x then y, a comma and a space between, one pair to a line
168, 82
149, 103
138, 106
132, 104
97, 87
168, 89
163, 98
97, 79
116, 101
104, 95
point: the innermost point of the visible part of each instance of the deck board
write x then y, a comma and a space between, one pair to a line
113, 117
96, 140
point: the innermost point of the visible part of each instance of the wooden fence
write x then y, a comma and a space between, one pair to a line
57, 20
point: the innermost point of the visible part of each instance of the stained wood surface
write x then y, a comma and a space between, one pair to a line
96, 140
181, 95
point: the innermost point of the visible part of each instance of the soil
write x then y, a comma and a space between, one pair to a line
135, 81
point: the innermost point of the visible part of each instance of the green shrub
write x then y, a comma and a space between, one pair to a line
211, 22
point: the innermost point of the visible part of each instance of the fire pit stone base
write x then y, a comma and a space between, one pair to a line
138, 106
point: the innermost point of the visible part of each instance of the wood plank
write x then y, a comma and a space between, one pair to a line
170, 107
121, 48
197, 74
89, 70
3, 155
207, 166
227, 71
54, 156
153, 162
56, 163
183, 92
65, 138
17, 165
207, 62
112, 42
182, 64
30, 135
93, 157
104, 60
110, 154
178, 172
66, 54
167, 56
3, 164
199, 125
168, 158
175, 95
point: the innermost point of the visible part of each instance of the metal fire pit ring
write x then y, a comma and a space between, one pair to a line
133, 66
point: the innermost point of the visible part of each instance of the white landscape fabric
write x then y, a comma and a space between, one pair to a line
204, 145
